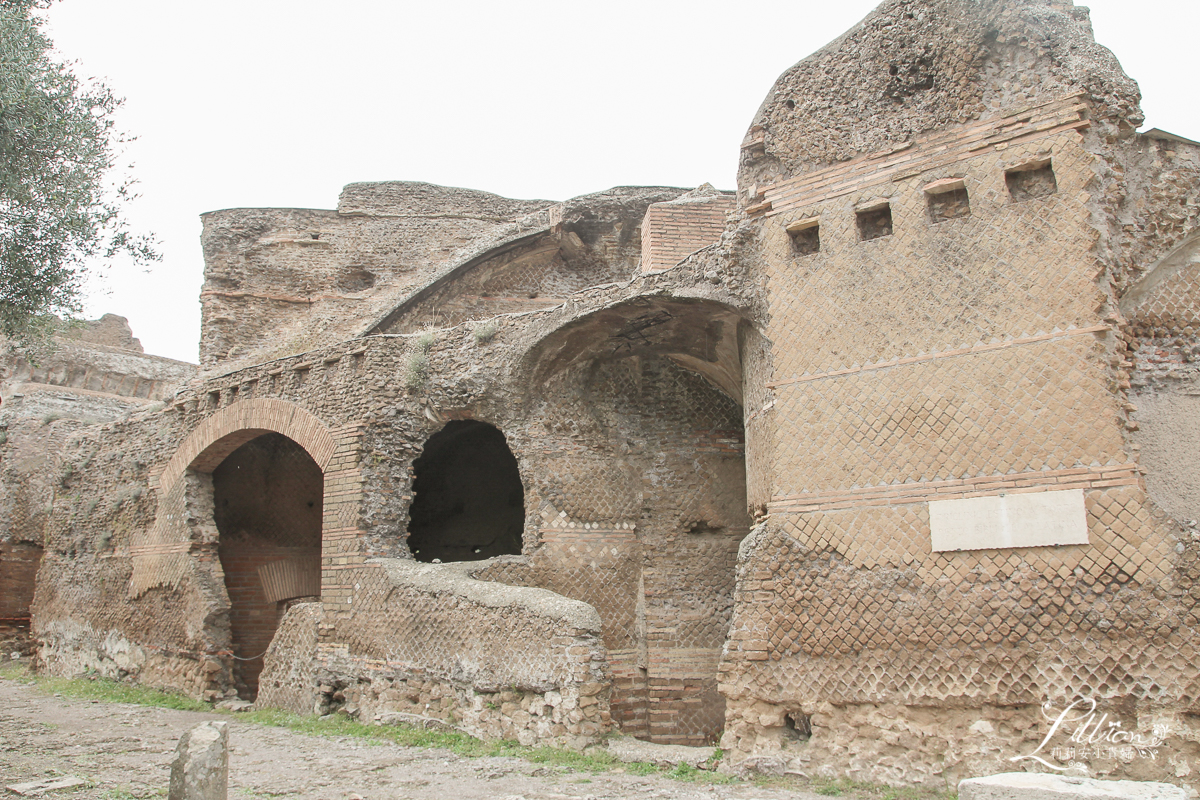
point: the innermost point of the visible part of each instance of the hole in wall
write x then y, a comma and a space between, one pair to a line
468, 501
947, 200
874, 222
701, 527
356, 280
797, 726
1031, 181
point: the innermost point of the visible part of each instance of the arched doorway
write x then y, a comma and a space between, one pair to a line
642, 452
267, 506
468, 502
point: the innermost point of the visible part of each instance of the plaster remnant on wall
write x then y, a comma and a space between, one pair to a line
1037, 519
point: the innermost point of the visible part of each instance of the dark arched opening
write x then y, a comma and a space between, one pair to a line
19, 562
468, 502
267, 503
671, 378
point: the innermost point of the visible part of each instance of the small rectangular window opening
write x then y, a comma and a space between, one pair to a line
805, 236
214, 399
874, 220
1030, 181
947, 199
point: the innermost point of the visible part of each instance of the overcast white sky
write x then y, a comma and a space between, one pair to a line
241, 103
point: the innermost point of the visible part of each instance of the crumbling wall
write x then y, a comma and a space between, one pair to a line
592, 240
1163, 314
284, 281
636, 475
670, 394
93, 370
288, 679
426, 641
909, 68
31, 481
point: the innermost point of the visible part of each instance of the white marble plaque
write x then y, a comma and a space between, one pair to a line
1033, 519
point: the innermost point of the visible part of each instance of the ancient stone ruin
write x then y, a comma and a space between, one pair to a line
851, 471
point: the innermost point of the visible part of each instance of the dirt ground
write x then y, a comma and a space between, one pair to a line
125, 751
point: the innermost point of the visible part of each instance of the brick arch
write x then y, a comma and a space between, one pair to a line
230, 428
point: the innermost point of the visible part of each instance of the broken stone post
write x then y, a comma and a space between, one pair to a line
201, 767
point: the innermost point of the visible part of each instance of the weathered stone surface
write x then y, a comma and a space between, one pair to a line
1042, 786
626, 748
36, 788
200, 770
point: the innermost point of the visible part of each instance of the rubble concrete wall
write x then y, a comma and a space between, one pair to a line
592, 240
285, 281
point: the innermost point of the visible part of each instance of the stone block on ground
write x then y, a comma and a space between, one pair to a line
201, 767
626, 748
1041, 786
35, 788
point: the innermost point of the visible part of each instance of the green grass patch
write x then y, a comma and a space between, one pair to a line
15, 670
594, 760
108, 691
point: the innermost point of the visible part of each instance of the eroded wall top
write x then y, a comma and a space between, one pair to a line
399, 255
283, 281
912, 66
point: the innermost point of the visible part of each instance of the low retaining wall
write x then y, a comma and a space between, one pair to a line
424, 642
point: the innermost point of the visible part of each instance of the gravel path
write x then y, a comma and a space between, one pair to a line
125, 751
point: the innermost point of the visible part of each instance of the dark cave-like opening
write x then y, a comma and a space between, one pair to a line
468, 502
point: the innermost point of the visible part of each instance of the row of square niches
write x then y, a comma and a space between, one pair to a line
945, 200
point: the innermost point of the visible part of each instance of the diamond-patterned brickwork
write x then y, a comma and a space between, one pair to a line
959, 355
448, 634
849, 615
421, 638
1007, 270
1171, 303
1010, 410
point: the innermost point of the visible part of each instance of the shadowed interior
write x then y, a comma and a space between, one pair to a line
267, 506
468, 501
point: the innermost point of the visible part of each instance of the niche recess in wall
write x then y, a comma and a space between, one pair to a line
874, 220
806, 236
947, 199
1031, 180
